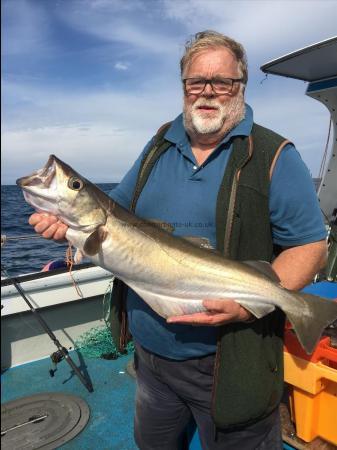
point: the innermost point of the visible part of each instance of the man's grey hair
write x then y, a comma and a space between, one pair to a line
212, 39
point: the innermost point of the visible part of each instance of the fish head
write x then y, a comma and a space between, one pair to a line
59, 190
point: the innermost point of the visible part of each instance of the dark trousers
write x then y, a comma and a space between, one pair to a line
171, 393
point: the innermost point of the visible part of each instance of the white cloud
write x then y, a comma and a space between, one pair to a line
267, 28
133, 24
121, 65
43, 106
99, 133
98, 152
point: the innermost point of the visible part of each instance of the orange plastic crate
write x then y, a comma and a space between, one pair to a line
322, 352
313, 397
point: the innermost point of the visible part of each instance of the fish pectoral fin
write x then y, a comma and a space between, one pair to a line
265, 268
93, 243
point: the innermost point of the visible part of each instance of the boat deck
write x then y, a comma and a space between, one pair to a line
111, 404
110, 426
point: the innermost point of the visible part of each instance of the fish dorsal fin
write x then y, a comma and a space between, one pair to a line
93, 243
200, 242
163, 225
265, 268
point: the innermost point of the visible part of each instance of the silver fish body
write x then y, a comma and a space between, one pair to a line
171, 274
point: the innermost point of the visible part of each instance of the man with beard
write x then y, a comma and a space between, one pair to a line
214, 174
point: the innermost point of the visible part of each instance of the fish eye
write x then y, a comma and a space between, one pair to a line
75, 183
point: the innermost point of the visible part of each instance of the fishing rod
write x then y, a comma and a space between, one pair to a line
62, 352
5, 238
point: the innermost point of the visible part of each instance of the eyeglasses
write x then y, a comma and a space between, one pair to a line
219, 85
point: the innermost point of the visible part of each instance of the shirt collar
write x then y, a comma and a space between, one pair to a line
177, 134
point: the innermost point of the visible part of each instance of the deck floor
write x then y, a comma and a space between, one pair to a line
110, 425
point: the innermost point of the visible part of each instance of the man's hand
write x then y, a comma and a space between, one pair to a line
219, 312
49, 226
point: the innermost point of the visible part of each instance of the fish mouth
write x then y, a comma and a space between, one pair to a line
40, 178
40, 188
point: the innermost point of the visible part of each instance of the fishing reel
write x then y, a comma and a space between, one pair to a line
56, 358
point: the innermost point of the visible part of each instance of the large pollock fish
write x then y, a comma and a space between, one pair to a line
171, 274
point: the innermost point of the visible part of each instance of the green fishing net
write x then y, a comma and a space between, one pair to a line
97, 342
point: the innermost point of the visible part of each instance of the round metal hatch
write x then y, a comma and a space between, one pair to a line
42, 421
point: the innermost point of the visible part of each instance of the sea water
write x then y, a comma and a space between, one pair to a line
21, 256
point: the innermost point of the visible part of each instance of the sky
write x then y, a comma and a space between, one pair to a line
91, 81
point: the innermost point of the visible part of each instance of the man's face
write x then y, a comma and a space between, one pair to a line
209, 113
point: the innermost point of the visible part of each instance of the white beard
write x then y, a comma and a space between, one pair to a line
228, 115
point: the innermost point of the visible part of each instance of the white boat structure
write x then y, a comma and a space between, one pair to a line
71, 304
70, 311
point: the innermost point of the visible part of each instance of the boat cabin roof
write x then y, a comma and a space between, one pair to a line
312, 63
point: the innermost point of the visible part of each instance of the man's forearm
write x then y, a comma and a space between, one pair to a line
297, 266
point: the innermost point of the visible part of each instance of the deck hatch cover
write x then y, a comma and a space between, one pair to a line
42, 421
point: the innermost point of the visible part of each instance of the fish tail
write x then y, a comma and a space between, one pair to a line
317, 315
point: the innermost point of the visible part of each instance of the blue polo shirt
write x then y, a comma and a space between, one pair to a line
184, 194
